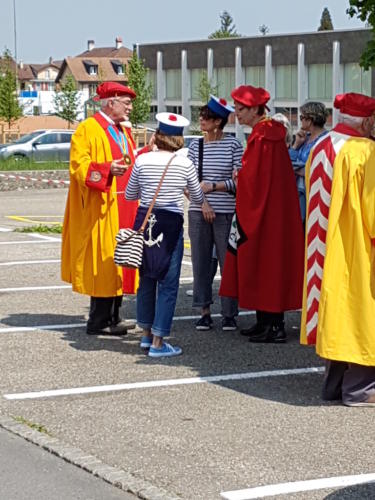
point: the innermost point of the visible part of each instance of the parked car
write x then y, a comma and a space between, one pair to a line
39, 146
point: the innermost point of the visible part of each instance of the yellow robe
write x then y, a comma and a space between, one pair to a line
346, 314
92, 214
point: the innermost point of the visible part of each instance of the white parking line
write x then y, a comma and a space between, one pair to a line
162, 383
43, 237
29, 242
24, 262
310, 485
34, 288
66, 326
5, 230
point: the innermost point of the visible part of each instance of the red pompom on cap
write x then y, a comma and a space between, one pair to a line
223, 101
173, 118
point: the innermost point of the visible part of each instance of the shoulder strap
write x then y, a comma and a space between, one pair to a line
141, 229
200, 159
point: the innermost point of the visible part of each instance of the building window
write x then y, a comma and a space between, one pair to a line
153, 113
286, 82
93, 70
291, 114
356, 79
47, 74
92, 89
173, 83
255, 76
196, 77
174, 109
120, 70
151, 80
320, 81
224, 79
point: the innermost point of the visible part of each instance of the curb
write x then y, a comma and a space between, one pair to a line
112, 475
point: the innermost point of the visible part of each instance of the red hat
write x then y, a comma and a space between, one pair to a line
250, 96
355, 104
113, 89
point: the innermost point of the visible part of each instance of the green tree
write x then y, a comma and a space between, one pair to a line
136, 74
264, 29
10, 109
205, 88
66, 101
227, 28
365, 11
325, 21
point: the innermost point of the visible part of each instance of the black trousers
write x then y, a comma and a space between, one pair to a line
104, 311
270, 318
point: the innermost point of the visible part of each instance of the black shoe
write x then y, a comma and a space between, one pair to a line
119, 329
253, 330
271, 335
204, 323
229, 324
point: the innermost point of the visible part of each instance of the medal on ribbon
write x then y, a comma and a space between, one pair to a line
122, 141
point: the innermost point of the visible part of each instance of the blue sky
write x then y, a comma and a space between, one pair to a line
48, 28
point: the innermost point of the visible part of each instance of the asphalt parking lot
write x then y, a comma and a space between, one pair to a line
227, 419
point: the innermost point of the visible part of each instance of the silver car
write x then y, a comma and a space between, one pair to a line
39, 146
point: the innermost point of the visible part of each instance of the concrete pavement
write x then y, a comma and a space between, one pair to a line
190, 437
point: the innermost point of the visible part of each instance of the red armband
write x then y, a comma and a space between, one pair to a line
99, 176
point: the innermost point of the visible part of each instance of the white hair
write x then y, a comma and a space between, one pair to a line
279, 117
351, 121
104, 102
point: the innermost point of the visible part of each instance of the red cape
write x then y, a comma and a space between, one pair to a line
266, 271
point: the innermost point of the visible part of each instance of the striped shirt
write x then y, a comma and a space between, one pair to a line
146, 175
220, 158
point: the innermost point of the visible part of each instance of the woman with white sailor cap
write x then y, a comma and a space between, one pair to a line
216, 156
163, 249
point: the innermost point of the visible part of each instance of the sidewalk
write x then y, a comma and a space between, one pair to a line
27, 472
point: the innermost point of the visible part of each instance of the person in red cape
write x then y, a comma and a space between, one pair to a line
264, 262
101, 159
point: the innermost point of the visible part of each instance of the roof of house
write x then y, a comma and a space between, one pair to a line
111, 52
79, 67
30, 71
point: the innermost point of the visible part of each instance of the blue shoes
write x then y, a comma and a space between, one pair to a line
166, 350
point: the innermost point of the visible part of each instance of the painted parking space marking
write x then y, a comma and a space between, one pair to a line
28, 262
34, 288
35, 219
65, 326
5, 230
162, 383
48, 239
298, 486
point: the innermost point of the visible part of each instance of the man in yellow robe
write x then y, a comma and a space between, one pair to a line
339, 286
102, 154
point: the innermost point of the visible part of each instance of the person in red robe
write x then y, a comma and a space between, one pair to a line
264, 262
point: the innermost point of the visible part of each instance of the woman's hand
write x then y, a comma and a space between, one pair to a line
186, 193
299, 139
235, 176
207, 212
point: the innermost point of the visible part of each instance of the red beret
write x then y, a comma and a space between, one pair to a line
355, 104
250, 96
113, 89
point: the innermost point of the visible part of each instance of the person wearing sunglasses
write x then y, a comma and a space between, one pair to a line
313, 118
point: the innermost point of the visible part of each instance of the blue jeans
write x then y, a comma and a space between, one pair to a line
156, 300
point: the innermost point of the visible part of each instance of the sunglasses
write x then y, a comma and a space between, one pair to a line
304, 117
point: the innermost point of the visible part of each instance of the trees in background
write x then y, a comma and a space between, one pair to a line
365, 11
10, 109
325, 21
136, 74
227, 27
66, 101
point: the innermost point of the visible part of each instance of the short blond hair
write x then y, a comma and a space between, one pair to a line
168, 142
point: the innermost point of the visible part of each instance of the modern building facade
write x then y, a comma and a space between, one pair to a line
293, 68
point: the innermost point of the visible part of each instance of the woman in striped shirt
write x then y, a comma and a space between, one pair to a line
163, 249
216, 157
